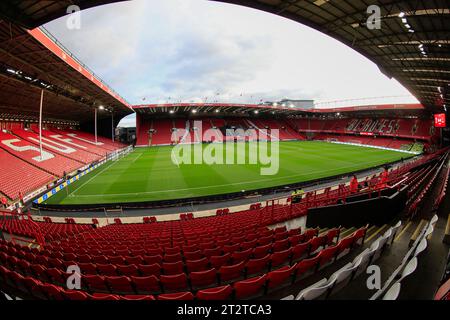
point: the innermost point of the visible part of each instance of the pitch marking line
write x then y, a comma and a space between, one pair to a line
73, 193
212, 186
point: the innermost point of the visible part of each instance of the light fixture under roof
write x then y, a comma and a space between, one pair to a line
256, 111
401, 14
171, 111
194, 111
217, 111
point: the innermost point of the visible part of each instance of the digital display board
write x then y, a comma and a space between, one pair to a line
439, 120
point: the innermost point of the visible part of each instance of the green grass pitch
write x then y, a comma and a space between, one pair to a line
148, 174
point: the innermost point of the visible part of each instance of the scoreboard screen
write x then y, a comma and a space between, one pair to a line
439, 120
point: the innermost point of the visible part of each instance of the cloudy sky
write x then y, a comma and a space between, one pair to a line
192, 50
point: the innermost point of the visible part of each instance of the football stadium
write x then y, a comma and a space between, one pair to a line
211, 200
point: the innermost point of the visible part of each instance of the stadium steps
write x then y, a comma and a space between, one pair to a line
323, 231
446, 238
324, 273
417, 230
377, 231
346, 231
388, 262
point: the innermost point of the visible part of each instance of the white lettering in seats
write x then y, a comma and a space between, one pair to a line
67, 140
91, 142
59, 147
45, 155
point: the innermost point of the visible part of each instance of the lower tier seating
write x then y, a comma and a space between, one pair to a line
243, 273
31, 178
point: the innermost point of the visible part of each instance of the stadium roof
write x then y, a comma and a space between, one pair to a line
412, 44
34, 13
31, 61
250, 109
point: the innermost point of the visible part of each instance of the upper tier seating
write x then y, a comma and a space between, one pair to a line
31, 178
55, 143
404, 128
285, 133
102, 142
361, 131
88, 143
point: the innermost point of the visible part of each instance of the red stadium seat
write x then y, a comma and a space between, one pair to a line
146, 285
265, 240
249, 244
306, 267
217, 293
116, 260
52, 292
333, 236
262, 251
231, 248
327, 256
56, 276
137, 297
74, 295
176, 296
300, 251
128, 270
203, 279
294, 232
280, 236
197, 265
212, 252
120, 285
310, 233
359, 236
280, 258
231, 273
154, 251
239, 256
153, 259
101, 259
219, 261
102, 296
195, 255
88, 268
173, 257
255, 266
317, 244
279, 277
173, 283
95, 283
148, 270
250, 288
171, 268
107, 269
